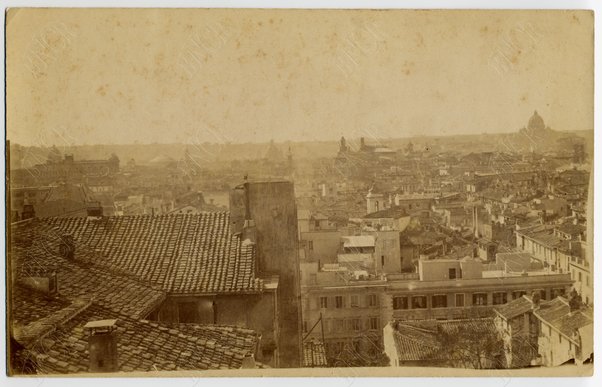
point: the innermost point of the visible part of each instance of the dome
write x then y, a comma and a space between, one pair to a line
536, 122
161, 160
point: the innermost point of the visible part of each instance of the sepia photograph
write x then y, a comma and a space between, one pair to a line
305, 192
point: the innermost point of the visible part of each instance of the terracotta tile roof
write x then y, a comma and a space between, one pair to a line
415, 343
543, 234
50, 327
571, 322
551, 310
314, 354
394, 212
37, 330
515, 308
558, 314
35, 251
142, 346
27, 307
234, 336
181, 253
569, 228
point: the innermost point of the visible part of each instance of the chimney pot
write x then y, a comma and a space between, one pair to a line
102, 342
248, 362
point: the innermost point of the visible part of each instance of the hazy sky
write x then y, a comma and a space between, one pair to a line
120, 76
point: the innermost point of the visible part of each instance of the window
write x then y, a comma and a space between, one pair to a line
452, 273
587, 280
580, 277
459, 300
400, 303
339, 325
355, 324
440, 301
543, 294
323, 302
372, 300
382, 260
518, 294
187, 312
355, 301
374, 325
338, 302
418, 302
500, 298
304, 326
479, 299
310, 245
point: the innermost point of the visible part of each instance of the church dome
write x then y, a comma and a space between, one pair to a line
536, 122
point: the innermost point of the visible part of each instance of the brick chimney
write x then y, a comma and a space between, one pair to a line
28, 212
248, 362
102, 341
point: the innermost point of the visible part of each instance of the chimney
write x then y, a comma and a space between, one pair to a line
536, 297
28, 212
238, 208
574, 301
248, 362
102, 341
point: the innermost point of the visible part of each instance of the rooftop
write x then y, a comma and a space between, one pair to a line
394, 212
515, 308
358, 241
558, 314
50, 327
180, 253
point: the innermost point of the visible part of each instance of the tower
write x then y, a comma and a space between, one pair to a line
374, 202
272, 208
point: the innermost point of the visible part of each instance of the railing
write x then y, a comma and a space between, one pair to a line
403, 276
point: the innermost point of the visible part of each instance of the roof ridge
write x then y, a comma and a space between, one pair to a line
37, 330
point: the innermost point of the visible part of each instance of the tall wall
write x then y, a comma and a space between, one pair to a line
254, 311
271, 205
324, 245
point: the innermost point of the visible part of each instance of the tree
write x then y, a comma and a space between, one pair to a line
470, 344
